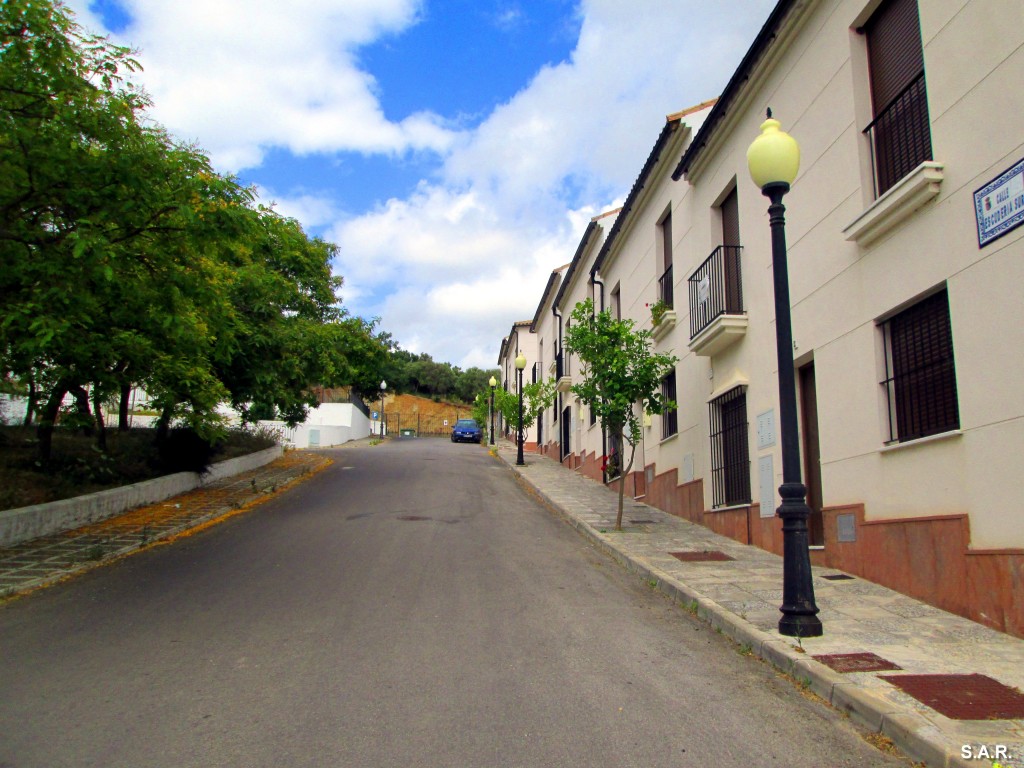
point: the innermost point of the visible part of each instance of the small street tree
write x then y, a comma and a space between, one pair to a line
621, 375
536, 397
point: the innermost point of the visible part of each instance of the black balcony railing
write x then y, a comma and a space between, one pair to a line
665, 288
716, 288
900, 136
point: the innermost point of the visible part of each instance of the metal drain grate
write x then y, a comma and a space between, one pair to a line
412, 518
856, 662
963, 697
838, 577
642, 522
708, 556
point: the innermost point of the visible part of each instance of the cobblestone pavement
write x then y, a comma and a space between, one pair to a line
961, 668
49, 559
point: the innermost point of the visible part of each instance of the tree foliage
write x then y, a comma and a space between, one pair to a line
621, 376
409, 373
129, 262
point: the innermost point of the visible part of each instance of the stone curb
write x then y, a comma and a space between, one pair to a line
911, 733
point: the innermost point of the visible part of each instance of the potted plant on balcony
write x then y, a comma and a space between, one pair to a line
658, 310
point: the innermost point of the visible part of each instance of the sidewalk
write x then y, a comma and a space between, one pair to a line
874, 638
52, 558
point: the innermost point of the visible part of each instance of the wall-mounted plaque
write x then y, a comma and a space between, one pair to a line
999, 205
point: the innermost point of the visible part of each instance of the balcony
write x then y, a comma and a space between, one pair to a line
563, 382
717, 317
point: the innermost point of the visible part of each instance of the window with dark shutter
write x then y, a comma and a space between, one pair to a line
920, 382
730, 453
900, 132
665, 287
670, 417
731, 253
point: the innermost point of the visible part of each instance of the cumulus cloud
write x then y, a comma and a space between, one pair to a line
241, 76
473, 251
449, 267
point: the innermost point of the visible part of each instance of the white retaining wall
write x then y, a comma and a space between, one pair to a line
25, 523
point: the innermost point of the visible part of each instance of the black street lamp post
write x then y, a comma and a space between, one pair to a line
774, 159
520, 364
493, 382
383, 388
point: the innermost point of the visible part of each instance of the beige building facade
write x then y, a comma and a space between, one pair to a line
905, 266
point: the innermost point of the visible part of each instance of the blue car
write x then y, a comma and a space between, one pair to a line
468, 431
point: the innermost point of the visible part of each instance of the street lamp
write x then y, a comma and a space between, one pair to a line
774, 159
520, 364
493, 382
383, 387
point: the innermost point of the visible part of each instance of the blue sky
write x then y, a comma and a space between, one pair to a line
453, 149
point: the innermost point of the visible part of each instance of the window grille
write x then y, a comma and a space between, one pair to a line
670, 417
920, 375
730, 453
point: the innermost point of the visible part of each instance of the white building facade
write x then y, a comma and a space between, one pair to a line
905, 265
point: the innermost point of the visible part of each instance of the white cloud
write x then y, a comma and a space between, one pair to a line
452, 265
471, 254
241, 76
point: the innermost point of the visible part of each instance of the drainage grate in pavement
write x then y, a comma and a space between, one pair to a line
856, 662
642, 522
412, 518
963, 697
708, 556
838, 577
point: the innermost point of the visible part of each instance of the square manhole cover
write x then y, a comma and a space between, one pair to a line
856, 662
963, 697
708, 556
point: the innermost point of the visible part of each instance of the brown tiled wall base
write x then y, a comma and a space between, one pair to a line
927, 558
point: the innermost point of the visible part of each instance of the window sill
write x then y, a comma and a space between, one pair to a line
893, 447
669, 439
732, 507
897, 204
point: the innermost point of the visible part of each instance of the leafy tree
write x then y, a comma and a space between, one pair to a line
536, 397
83, 184
471, 381
128, 261
619, 374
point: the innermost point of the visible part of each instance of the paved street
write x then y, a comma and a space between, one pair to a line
409, 605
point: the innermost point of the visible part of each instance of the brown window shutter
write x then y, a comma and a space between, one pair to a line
730, 220
924, 374
895, 54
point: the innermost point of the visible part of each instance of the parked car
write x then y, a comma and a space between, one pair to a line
467, 430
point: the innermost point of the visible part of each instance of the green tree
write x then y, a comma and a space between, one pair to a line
127, 260
471, 381
537, 396
86, 192
620, 374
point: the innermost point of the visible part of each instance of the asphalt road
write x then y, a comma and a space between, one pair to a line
409, 606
